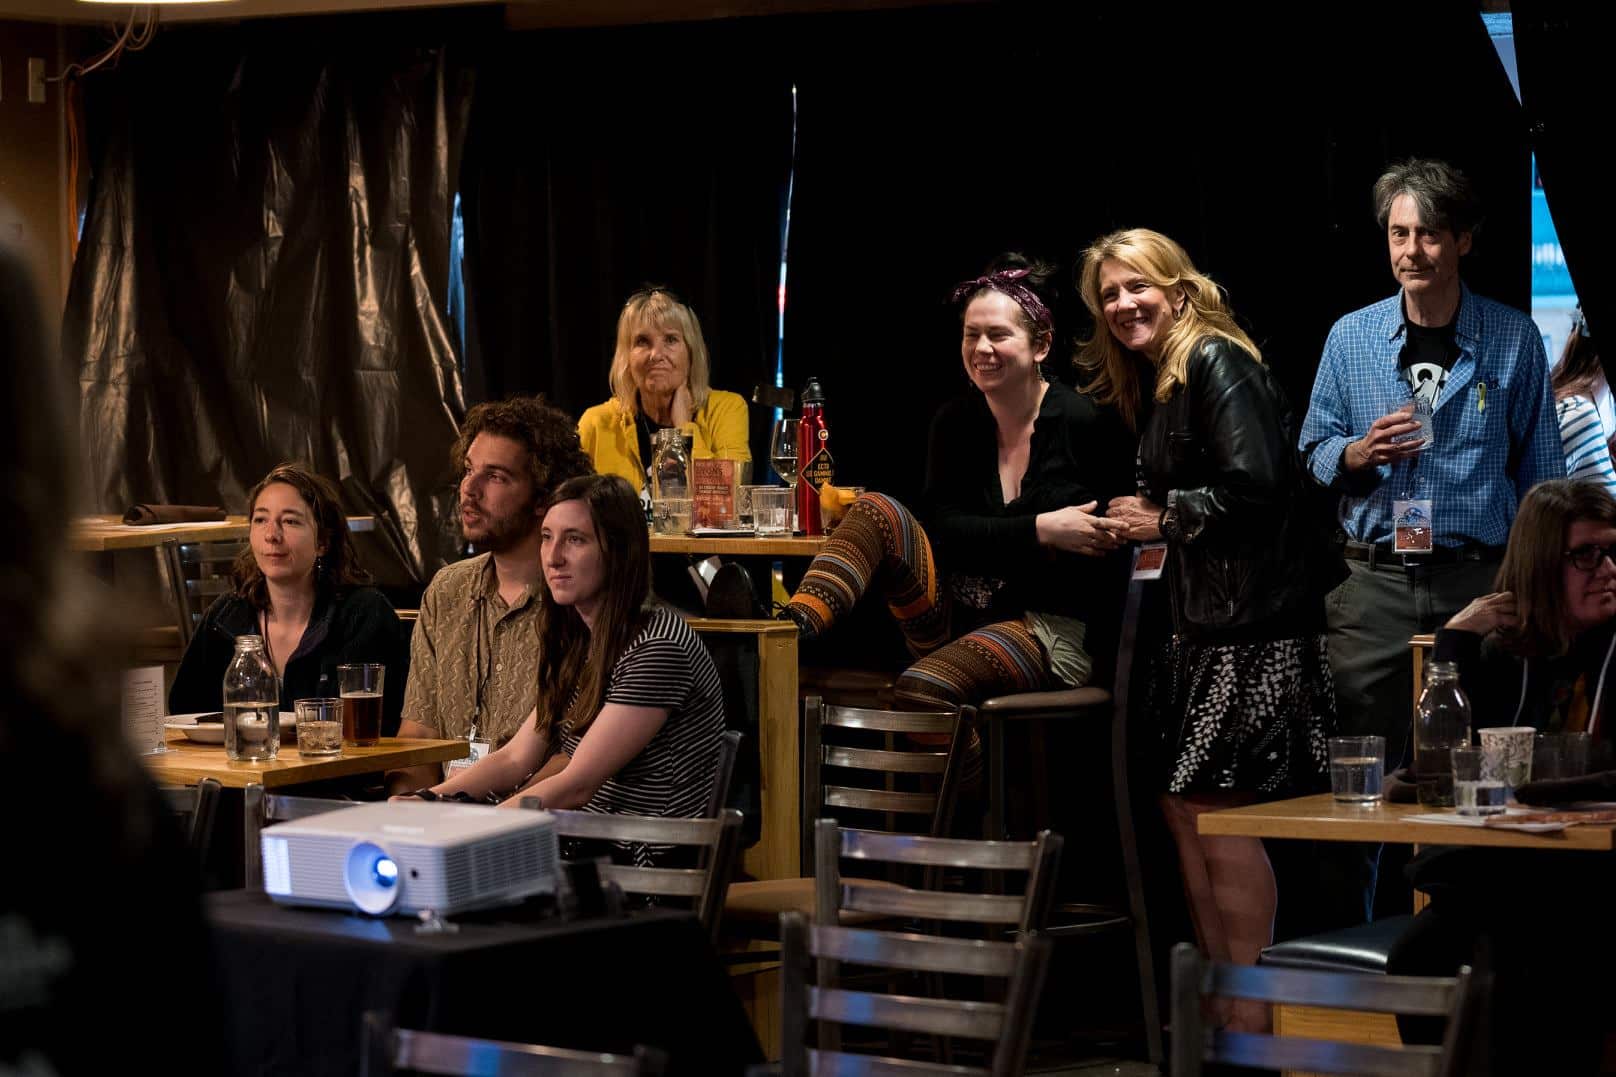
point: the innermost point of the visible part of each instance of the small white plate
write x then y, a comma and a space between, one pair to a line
212, 732
723, 532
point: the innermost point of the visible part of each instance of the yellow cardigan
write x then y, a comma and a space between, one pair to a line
718, 430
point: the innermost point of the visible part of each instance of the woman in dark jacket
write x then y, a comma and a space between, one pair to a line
1248, 702
300, 587
1017, 477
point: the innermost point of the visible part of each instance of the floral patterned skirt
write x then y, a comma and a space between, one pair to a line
1247, 717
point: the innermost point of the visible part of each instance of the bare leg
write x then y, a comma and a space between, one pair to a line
1239, 899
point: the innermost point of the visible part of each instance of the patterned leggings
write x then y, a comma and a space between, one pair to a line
879, 536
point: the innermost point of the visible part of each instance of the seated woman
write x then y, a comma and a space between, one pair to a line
629, 699
300, 587
1018, 473
1244, 700
1536, 652
659, 380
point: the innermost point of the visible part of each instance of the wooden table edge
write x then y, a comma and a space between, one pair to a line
290, 768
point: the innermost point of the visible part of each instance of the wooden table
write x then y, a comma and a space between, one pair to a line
1322, 818
186, 762
105, 534
762, 546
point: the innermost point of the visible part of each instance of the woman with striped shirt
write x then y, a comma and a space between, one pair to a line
1582, 403
628, 696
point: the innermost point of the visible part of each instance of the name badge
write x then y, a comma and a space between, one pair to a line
1411, 522
479, 748
1149, 560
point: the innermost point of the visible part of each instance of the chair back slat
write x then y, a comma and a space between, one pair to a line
283, 808
662, 882
718, 839
1322, 1056
889, 721
211, 553
385, 1050
651, 829
905, 1013
1420, 995
1195, 979
842, 1064
923, 953
840, 796
932, 904
938, 852
893, 762
197, 806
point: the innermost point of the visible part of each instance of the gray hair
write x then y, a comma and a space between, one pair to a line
1445, 198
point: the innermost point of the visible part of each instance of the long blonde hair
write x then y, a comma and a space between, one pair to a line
658, 307
1112, 374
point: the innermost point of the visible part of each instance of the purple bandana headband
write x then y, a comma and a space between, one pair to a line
1009, 281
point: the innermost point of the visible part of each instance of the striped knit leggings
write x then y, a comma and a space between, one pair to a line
881, 541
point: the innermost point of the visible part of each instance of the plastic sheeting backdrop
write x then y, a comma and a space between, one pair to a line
264, 268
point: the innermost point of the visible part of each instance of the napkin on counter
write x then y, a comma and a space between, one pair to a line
172, 514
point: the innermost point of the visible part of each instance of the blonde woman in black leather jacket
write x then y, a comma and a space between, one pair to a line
1246, 702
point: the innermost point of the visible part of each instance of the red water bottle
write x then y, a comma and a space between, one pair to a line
814, 464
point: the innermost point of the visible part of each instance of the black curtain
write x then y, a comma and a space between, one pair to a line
1561, 49
263, 273
599, 161
931, 139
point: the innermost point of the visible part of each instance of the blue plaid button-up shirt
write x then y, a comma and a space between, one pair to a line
1495, 431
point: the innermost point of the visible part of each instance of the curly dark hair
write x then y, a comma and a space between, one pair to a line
337, 568
554, 453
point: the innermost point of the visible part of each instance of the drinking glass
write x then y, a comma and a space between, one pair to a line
361, 688
783, 450
319, 726
1357, 765
1476, 788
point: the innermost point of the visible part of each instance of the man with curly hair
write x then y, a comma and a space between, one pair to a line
475, 648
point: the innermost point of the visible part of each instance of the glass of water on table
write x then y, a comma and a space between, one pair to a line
1477, 788
1357, 767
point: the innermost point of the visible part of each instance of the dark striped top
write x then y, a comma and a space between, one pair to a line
664, 666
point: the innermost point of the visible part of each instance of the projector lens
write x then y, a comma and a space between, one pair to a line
371, 877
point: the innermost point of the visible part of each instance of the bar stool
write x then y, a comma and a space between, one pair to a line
1093, 706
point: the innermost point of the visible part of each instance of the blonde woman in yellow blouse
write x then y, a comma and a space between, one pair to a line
659, 380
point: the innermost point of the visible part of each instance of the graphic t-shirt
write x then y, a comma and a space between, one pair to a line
1427, 356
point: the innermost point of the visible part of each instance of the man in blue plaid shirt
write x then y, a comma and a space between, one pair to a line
1476, 372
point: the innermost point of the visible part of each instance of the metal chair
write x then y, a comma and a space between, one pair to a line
1194, 979
1025, 913
261, 808
828, 1006
925, 808
197, 573
705, 886
197, 806
386, 1050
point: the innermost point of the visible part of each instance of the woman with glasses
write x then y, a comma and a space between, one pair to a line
659, 381
1537, 651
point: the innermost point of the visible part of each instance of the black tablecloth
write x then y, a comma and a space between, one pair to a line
297, 981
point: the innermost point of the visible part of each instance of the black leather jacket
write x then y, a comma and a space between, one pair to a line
1246, 550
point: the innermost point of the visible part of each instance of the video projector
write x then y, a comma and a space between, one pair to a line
404, 857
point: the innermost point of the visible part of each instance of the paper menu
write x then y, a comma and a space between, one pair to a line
141, 693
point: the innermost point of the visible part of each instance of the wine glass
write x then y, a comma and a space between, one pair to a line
783, 450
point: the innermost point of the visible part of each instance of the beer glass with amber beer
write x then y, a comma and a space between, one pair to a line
361, 690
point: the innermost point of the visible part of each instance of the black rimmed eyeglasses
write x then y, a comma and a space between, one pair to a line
1590, 557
